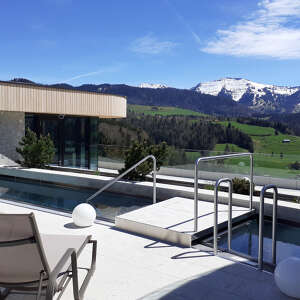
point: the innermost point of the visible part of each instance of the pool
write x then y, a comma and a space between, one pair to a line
108, 205
245, 239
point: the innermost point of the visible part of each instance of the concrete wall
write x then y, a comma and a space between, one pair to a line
12, 129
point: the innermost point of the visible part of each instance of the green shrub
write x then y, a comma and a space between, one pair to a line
295, 166
209, 187
241, 186
36, 152
137, 152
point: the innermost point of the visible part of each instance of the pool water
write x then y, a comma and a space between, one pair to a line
245, 240
108, 205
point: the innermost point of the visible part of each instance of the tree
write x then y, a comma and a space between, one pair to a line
241, 186
137, 152
36, 152
227, 149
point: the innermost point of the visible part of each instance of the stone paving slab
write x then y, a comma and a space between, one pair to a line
133, 267
172, 220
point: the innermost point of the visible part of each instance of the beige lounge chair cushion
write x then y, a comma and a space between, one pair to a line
22, 263
55, 246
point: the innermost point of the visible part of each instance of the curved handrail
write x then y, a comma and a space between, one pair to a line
216, 213
198, 160
125, 173
261, 224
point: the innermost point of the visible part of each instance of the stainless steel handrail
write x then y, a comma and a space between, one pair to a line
216, 158
125, 173
261, 225
216, 198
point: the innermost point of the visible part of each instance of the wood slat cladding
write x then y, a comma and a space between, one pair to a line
18, 97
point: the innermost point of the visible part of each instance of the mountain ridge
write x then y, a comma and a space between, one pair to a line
167, 96
225, 96
257, 96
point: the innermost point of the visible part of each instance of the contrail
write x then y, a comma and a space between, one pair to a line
100, 71
184, 22
84, 75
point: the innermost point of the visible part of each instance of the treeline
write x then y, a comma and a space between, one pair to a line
290, 120
279, 126
183, 132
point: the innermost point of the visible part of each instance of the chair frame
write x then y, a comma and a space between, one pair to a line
48, 278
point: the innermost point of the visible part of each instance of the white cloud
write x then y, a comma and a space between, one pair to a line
272, 31
151, 45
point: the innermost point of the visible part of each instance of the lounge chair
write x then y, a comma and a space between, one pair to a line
30, 261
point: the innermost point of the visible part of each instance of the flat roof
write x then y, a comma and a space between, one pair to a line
33, 98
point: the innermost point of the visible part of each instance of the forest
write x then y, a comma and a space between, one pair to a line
183, 132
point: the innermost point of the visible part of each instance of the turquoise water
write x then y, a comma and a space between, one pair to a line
245, 240
108, 205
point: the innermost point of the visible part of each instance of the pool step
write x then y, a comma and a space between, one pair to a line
172, 220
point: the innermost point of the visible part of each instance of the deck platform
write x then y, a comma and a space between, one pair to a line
172, 220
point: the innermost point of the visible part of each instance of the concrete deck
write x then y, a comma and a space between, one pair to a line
173, 220
134, 267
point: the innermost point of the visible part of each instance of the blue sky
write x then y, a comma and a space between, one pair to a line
173, 42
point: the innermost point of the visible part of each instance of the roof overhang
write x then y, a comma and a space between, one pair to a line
19, 97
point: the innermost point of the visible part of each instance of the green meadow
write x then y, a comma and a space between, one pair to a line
163, 110
272, 157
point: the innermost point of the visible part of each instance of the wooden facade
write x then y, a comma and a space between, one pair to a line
19, 97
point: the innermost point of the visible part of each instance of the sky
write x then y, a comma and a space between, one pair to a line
173, 42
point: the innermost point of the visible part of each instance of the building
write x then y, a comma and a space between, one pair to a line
70, 116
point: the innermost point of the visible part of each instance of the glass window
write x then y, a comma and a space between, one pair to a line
75, 138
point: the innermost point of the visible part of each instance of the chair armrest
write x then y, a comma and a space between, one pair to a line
62, 262
52, 285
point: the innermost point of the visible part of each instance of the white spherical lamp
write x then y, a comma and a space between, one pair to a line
84, 215
287, 276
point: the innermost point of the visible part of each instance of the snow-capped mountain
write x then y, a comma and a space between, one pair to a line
152, 85
261, 97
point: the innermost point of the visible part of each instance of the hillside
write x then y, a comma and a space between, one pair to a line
227, 96
160, 96
181, 98
266, 141
163, 110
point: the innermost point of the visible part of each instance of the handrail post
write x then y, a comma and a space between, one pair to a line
196, 178
261, 225
196, 195
230, 191
274, 226
216, 219
251, 182
154, 179
216, 201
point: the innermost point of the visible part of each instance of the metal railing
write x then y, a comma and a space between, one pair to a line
261, 225
216, 198
125, 173
208, 158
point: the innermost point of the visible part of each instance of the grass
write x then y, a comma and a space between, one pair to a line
163, 110
250, 129
268, 148
264, 164
265, 140
232, 148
